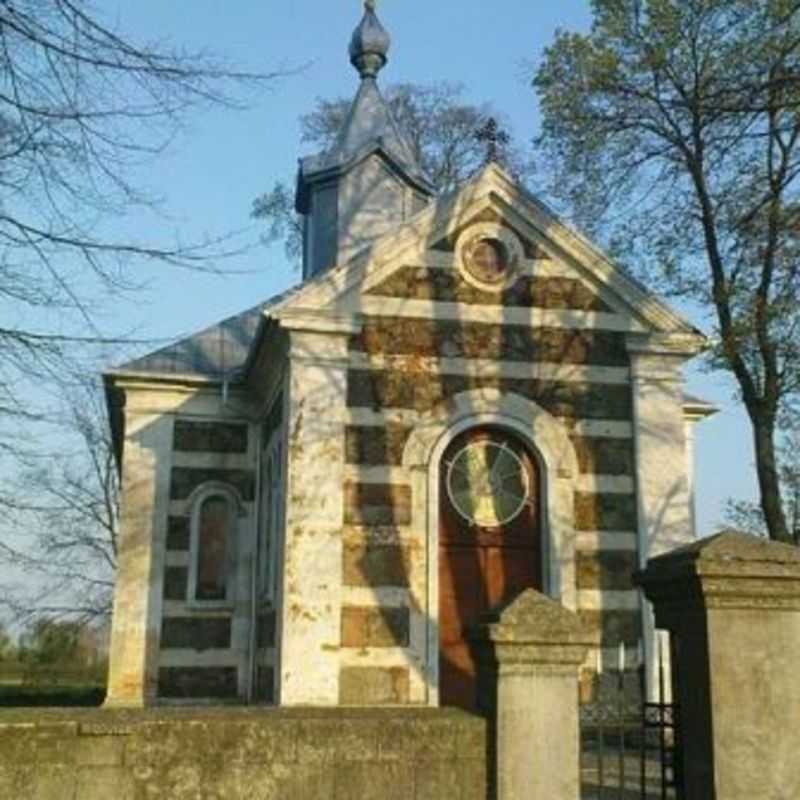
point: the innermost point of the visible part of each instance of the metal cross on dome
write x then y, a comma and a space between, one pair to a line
495, 139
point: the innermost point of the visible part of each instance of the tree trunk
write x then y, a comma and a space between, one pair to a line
768, 480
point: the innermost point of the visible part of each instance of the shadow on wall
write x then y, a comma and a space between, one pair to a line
399, 368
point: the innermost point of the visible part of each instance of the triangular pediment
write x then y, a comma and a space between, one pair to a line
418, 269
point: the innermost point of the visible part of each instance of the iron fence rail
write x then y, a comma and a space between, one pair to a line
629, 745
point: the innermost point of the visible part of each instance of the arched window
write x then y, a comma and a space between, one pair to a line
272, 504
213, 547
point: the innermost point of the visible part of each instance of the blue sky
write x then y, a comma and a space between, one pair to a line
225, 158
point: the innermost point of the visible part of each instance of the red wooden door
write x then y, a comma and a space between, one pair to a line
489, 545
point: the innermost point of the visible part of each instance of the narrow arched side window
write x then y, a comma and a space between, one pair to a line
272, 510
213, 547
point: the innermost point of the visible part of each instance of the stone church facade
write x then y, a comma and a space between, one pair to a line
462, 398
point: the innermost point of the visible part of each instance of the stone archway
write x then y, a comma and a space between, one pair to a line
545, 436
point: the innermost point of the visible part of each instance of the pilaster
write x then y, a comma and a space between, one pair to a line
311, 603
664, 509
136, 620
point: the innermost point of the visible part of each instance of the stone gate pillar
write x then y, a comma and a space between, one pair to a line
732, 605
530, 656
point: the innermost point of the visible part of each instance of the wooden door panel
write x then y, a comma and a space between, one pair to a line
460, 591
509, 571
480, 568
457, 676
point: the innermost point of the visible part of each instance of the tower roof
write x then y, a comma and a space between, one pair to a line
370, 126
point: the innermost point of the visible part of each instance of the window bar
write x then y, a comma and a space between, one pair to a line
643, 732
621, 712
662, 719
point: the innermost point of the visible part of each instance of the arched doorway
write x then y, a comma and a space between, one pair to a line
489, 544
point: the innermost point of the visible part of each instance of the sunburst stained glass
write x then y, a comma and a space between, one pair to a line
488, 484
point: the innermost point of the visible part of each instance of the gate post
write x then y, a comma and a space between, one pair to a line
732, 605
530, 655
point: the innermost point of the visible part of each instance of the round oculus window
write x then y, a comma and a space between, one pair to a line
488, 484
489, 256
487, 260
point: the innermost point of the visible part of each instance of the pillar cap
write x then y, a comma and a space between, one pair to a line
727, 552
534, 618
728, 570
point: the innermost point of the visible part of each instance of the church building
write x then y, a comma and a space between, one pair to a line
463, 398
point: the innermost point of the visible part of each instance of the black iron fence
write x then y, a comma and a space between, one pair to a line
629, 744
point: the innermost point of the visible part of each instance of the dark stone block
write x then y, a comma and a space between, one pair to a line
210, 437
197, 682
454, 339
375, 565
605, 456
375, 627
186, 479
374, 445
178, 533
606, 570
421, 392
377, 504
605, 512
196, 633
176, 581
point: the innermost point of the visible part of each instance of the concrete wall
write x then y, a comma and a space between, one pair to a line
227, 755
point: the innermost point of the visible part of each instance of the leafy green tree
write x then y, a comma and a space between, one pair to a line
672, 129
440, 125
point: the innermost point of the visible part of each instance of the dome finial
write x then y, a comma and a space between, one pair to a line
370, 43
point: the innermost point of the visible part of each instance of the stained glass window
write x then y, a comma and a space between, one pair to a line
488, 484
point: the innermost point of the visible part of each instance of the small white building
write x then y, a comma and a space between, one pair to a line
463, 398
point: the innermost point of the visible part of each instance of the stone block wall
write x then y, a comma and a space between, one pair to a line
204, 649
404, 367
241, 754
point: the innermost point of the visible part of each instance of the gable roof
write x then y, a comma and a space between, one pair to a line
222, 351
492, 185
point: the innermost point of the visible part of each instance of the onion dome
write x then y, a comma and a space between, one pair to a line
370, 44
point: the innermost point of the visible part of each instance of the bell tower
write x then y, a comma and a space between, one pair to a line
370, 180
